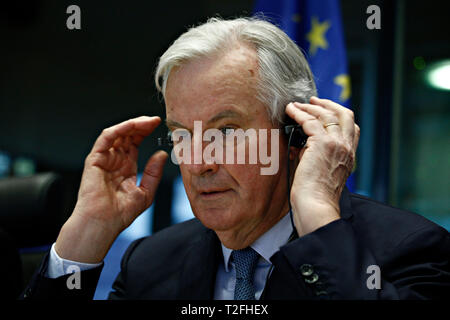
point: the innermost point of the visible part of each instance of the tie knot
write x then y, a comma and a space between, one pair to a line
245, 262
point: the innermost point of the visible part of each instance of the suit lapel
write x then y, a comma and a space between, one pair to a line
200, 267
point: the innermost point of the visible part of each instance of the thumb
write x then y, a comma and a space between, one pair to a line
152, 174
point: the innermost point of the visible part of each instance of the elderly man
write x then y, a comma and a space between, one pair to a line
230, 75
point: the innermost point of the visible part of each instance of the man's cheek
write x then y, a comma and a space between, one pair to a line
269, 149
247, 179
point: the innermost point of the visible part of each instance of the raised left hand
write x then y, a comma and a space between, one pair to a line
325, 162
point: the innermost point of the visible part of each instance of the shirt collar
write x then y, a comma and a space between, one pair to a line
269, 243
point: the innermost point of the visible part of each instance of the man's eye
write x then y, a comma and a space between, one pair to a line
226, 130
179, 134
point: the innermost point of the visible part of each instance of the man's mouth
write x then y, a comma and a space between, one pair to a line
208, 194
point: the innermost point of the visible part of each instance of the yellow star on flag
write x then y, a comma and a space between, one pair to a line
316, 36
343, 80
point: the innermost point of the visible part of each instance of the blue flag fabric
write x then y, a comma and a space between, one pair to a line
316, 27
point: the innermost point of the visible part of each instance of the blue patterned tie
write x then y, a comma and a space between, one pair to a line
245, 263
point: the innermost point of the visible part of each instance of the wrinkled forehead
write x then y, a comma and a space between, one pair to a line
238, 63
205, 83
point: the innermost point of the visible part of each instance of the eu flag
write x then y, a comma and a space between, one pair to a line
316, 27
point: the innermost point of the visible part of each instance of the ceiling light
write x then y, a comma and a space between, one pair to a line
438, 75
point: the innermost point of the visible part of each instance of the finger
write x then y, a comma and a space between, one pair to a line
128, 145
331, 105
323, 115
114, 136
345, 116
152, 174
310, 124
136, 139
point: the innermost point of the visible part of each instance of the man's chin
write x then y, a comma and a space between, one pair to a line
217, 219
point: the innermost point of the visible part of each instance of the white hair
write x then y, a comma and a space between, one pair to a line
284, 74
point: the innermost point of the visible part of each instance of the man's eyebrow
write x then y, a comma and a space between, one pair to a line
224, 114
173, 124
221, 115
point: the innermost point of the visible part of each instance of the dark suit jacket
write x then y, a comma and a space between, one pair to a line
181, 261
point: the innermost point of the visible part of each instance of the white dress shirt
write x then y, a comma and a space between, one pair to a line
58, 266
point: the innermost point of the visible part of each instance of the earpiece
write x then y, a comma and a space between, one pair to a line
166, 141
297, 138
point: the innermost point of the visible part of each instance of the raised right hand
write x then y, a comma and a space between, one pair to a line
109, 199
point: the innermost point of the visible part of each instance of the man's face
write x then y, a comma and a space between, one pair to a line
235, 200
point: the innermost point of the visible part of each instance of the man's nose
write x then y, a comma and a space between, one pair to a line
201, 162
202, 169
